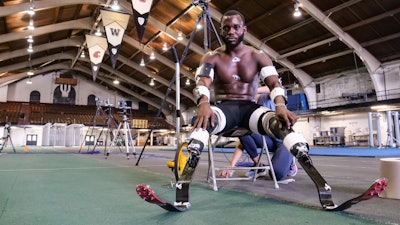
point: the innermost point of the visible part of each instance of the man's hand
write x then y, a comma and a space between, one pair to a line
204, 113
285, 116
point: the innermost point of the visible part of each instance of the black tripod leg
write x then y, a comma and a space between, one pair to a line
5, 142
12, 145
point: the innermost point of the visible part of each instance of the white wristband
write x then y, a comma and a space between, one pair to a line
201, 90
277, 91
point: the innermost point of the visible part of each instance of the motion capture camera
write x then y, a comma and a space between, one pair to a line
7, 127
97, 99
107, 103
122, 104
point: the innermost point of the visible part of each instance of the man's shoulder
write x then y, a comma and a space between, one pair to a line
216, 52
212, 55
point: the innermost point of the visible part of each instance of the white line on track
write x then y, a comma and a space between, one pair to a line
55, 169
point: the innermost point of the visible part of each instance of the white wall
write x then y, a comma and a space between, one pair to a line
334, 86
46, 85
18, 135
42, 83
355, 124
3, 93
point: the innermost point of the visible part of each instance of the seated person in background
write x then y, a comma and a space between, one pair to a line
283, 161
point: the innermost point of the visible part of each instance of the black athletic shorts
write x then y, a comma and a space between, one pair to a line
237, 112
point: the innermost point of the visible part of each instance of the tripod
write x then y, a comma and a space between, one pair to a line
99, 112
125, 135
207, 22
6, 138
111, 123
205, 15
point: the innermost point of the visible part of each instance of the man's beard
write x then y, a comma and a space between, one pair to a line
231, 45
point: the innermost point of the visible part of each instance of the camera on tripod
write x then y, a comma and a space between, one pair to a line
122, 104
7, 127
108, 103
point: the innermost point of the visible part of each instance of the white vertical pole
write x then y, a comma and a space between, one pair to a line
371, 130
389, 129
396, 128
177, 96
378, 130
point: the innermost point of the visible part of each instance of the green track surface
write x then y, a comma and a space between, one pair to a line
71, 189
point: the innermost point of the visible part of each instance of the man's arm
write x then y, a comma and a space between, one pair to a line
204, 78
270, 77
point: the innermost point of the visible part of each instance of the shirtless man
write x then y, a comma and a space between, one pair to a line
235, 71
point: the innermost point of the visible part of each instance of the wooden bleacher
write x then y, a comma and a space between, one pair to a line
43, 113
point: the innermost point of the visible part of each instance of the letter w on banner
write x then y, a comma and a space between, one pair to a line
97, 47
141, 9
115, 24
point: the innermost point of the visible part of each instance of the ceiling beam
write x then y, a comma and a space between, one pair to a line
370, 61
70, 42
84, 24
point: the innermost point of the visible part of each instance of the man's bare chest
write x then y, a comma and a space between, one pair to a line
237, 70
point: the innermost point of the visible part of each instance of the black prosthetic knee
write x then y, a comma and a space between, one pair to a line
295, 143
199, 138
271, 125
195, 147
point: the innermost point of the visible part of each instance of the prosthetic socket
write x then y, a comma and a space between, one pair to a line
196, 146
294, 142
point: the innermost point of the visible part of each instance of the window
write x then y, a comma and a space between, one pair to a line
91, 100
34, 97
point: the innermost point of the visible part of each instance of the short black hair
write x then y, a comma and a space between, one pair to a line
233, 13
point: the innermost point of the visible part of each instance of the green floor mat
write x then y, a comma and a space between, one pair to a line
71, 189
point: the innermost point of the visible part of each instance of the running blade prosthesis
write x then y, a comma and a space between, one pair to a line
147, 194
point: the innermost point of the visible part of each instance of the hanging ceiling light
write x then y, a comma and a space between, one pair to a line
83, 54
297, 11
98, 32
180, 36
116, 81
115, 5
31, 26
31, 10
142, 63
187, 83
30, 39
165, 47
152, 83
30, 49
29, 73
152, 56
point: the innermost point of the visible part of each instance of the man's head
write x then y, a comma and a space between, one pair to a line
232, 28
